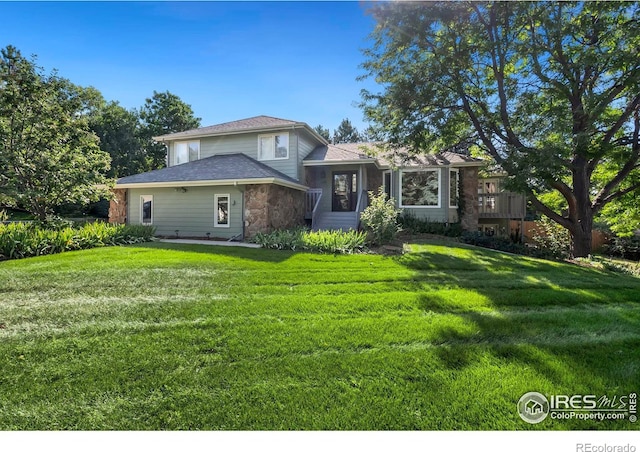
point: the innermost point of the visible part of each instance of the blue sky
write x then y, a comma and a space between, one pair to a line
228, 60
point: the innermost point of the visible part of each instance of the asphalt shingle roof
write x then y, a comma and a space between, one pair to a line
254, 123
341, 152
217, 167
370, 151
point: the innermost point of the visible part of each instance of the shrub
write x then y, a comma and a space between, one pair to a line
4, 216
624, 247
380, 218
478, 238
285, 239
415, 225
337, 242
552, 238
20, 240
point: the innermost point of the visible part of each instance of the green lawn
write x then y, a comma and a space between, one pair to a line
163, 336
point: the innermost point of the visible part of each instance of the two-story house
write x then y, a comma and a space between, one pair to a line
235, 179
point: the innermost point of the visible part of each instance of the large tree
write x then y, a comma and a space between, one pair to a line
549, 90
119, 132
323, 132
48, 155
161, 114
346, 133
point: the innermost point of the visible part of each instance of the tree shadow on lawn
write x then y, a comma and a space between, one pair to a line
574, 330
236, 252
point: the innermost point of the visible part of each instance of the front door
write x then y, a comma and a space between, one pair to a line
345, 191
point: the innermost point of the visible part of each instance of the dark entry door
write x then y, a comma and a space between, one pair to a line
345, 191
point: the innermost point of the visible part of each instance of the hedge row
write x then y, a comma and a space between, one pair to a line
20, 240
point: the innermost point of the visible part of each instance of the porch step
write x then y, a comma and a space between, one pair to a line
336, 220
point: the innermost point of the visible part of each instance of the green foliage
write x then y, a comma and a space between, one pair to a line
161, 114
336, 242
553, 238
614, 265
4, 216
323, 132
119, 132
20, 240
624, 247
346, 133
415, 225
547, 90
623, 215
380, 218
48, 155
478, 238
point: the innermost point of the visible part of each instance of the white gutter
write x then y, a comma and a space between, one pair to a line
209, 183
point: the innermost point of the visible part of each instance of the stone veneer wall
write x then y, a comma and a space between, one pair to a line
268, 207
118, 206
469, 177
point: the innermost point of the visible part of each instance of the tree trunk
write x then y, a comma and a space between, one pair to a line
582, 215
582, 242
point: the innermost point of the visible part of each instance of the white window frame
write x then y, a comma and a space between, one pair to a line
421, 170
143, 199
457, 193
216, 219
273, 156
175, 151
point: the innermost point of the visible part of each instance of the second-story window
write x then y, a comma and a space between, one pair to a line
186, 151
273, 147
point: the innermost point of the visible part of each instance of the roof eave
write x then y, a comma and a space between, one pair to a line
338, 162
210, 183
182, 136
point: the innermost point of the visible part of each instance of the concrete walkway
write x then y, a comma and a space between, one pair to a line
210, 242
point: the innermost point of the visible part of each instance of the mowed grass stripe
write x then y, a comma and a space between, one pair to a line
185, 337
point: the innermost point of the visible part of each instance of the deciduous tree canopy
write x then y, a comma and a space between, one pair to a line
48, 155
549, 90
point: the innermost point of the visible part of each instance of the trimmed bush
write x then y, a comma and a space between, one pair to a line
337, 242
478, 238
20, 240
416, 225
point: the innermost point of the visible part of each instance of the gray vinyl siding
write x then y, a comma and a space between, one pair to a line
247, 144
191, 212
306, 144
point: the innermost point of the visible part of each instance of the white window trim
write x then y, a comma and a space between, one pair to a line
142, 199
175, 153
267, 135
422, 170
215, 211
457, 171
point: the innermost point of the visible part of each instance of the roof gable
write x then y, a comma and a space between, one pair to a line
253, 124
218, 167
